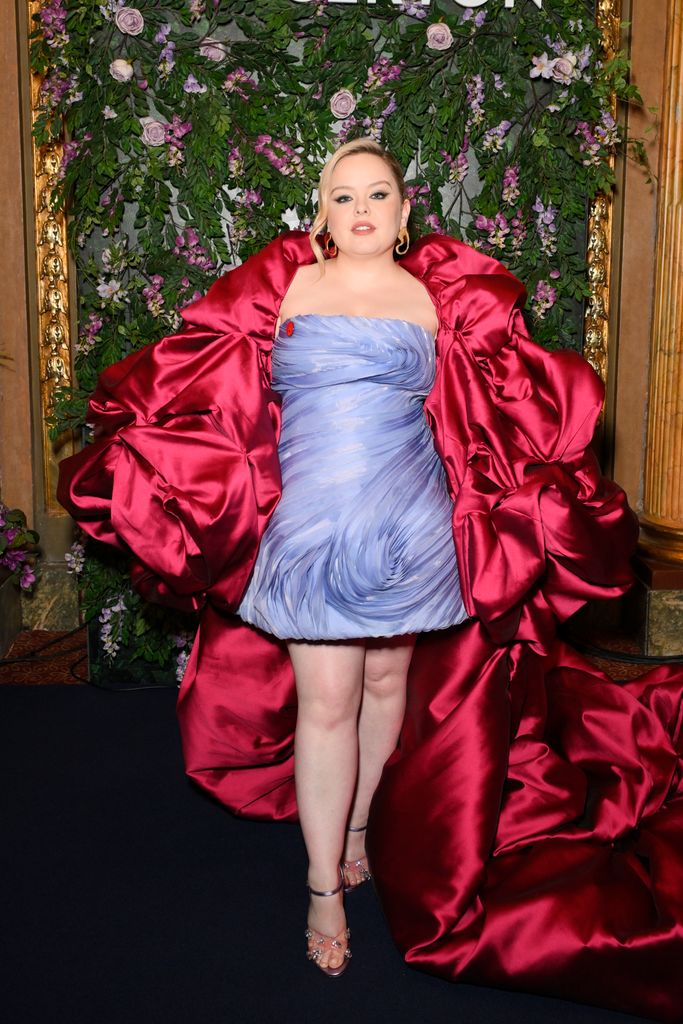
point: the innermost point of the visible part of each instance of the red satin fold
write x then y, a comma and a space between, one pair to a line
528, 830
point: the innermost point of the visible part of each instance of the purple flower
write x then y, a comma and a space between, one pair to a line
342, 103
75, 559
510, 192
176, 130
418, 194
192, 85
187, 245
475, 99
346, 128
235, 162
278, 153
382, 71
546, 227
153, 297
518, 231
70, 151
458, 167
413, 10
236, 79
494, 137
52, 15
27, 578
251, 197
497, 229
479, 18
544, 297
88, 334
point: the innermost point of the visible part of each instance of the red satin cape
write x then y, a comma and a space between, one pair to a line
528, 830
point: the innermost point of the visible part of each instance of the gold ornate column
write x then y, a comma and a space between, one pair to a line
662, 517
596, 329
53, 604
52, 271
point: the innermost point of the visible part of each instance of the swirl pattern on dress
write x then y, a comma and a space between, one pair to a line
361, 542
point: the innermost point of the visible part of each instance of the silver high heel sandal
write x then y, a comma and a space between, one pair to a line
361, 865
323, 943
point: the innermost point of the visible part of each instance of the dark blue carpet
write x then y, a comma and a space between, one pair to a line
130, 897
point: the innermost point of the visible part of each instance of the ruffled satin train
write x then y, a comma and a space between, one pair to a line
528, 831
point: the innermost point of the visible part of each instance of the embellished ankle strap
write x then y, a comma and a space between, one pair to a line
328, 892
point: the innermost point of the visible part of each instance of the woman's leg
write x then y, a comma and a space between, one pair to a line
329, 680
381, 715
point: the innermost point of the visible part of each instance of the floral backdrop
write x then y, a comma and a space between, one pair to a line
197, 130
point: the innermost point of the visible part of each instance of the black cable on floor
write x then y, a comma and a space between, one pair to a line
34, 655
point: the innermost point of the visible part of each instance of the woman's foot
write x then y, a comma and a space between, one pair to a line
327, 935
355, 863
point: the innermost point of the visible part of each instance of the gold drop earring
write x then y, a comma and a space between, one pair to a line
330, 250
401, 247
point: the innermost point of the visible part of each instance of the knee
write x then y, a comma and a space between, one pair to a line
383, 681
330, 705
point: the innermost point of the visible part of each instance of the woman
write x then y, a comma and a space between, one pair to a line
347, 320
526, 831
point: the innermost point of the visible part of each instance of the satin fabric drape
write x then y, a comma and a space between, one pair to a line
528, 830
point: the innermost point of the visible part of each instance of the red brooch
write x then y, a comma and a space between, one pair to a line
289, 327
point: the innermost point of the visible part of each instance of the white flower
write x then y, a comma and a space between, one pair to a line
213, 49
75, 559
542, 66
111, 289
130, 21
342, 103
564, 68
439, 36
121, 70
153, 131
109, 113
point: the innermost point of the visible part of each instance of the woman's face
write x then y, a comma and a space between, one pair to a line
364, 209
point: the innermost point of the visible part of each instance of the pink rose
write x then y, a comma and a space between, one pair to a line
121, 70
342, 103
564, 68
213, 49
153, 132
439, 36
130, 21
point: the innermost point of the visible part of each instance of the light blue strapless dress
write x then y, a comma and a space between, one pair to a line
361, 542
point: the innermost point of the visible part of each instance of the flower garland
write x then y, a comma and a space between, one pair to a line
197, 130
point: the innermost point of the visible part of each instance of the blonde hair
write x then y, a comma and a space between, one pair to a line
362, 145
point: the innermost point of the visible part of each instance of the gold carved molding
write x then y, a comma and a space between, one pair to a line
52, 272
600, 220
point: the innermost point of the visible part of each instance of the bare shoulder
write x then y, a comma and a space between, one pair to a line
304, 278
416, 302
